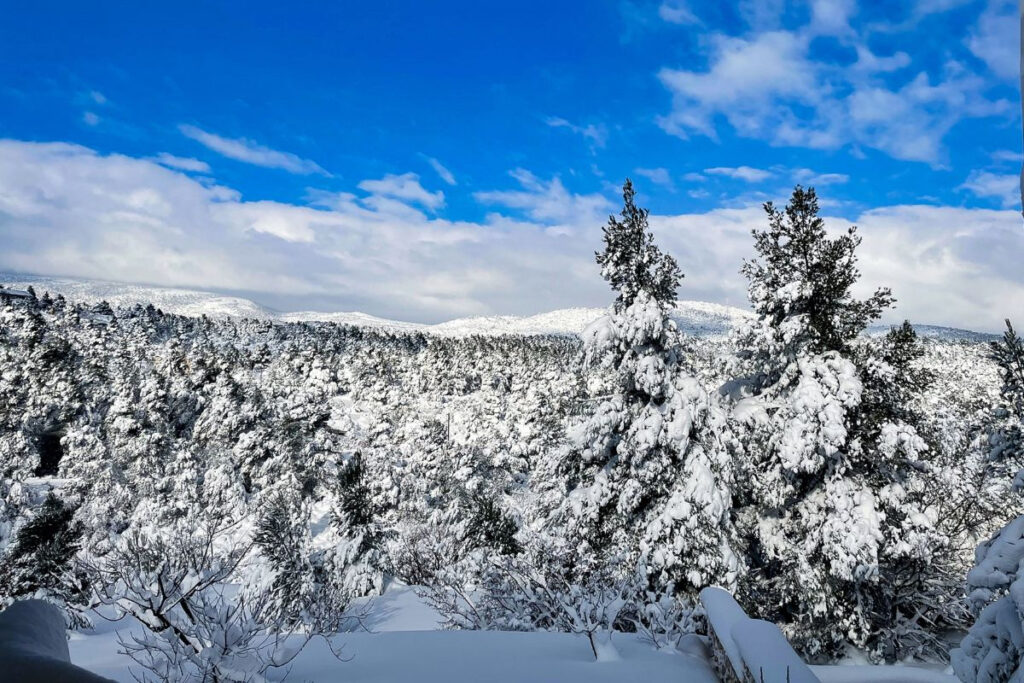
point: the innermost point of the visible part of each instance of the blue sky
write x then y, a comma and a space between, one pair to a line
428, 161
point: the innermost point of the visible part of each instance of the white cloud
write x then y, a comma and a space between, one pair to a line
945, 265
767, 86
762, 15
809, 177
658, 176
870, 63
676, 12
744, 79
1007, 155
90, 119
948, 266
97, 97
1003, 187
832, 17
66, 210
996, 38
745, 173
251, 152
596, 135
405, 187
442, 172
547, 201
182, 163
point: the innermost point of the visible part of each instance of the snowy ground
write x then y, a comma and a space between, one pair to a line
404, 644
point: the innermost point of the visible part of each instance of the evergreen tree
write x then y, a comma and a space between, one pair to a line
1006, 430
648, 472
354, 559
490, 527
631, 262
800, 291
993, 649
282, 535
39, 562
834, 478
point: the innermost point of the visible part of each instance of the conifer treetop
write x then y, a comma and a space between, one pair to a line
803, 272
631, 262
1009, 354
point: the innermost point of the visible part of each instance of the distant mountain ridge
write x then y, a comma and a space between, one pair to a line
694, 317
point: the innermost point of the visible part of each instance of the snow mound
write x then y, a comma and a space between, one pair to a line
724, 614
880, 674
567, 321
34, 648
353, 318
767, 654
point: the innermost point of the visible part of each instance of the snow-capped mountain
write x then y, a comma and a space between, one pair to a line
693, 317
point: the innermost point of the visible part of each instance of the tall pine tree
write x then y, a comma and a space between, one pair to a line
832, 503
648, 472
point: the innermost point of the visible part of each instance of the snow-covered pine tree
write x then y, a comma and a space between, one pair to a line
40, 560
282, 536
832, 476
1006, 431
993, 649
916, 595
648, 472
354, 562
491, 527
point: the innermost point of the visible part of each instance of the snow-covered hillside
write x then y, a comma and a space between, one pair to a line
170, 300
693, 317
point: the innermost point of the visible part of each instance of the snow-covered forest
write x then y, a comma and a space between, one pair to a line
230, 482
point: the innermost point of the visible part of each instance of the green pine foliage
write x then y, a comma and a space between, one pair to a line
631, 262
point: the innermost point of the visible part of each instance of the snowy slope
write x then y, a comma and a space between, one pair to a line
179, 301
945, 333
693, 317
353, 318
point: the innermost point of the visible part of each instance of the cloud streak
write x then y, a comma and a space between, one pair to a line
595, 135
745, 173
250, 152
182, 163
1004, 188
443, 173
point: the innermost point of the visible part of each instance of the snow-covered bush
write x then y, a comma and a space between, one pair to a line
419, 553
541, 589
993, 649
664, 619
181, 583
